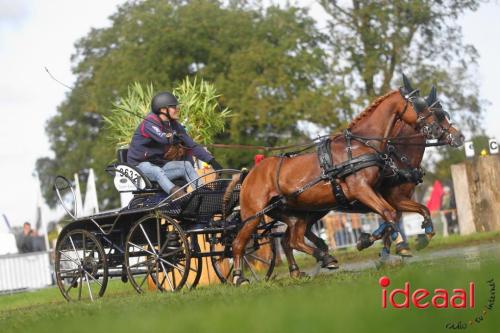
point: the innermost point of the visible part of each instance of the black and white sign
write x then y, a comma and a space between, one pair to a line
493, 146
469, 149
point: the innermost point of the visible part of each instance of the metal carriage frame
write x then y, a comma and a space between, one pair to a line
157, 242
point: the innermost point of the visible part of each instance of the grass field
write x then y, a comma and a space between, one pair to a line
339, 302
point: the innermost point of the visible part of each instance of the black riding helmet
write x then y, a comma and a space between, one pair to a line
163, 100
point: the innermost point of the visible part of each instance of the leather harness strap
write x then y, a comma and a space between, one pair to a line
333, 173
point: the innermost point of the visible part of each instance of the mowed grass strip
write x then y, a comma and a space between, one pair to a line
341, 302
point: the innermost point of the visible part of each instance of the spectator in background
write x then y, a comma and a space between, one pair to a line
37, 241
26, 240
448, 207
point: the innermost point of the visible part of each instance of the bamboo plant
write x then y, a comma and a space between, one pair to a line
200, 112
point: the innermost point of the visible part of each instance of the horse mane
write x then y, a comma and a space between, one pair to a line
371, 108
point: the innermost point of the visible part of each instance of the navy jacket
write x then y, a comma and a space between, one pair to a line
153, 137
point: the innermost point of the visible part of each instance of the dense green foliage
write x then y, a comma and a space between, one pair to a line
267, 64
128, 113
376, 41
276, 71
201, 114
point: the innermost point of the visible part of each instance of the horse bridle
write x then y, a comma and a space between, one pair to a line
429, 129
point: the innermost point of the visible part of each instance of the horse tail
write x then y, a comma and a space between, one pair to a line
226, 201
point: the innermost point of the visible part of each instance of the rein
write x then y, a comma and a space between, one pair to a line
395, 140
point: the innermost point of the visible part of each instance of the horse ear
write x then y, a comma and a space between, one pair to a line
407, 84
432, 96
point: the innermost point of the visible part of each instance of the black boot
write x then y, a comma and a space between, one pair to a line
176, 192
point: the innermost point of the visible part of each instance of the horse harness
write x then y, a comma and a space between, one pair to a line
333, 173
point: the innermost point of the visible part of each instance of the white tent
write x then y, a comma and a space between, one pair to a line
7, 239
90, 205
78, 193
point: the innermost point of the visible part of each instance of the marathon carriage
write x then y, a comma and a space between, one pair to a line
156, 242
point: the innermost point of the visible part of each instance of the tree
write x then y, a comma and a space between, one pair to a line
268, 65
374, 40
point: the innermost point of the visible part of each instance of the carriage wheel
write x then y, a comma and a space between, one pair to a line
80, 265
196, 265
258, 262
157, 254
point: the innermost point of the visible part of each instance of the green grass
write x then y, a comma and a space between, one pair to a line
339, 302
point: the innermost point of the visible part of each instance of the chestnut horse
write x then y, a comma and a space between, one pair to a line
408, 156
281, 177
407, 149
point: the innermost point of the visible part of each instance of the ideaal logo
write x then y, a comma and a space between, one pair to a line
458, 298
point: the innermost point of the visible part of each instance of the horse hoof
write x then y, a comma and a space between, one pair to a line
298, 275
422, 242
364, 241
238, 280
404, 252
329, 262
332, 266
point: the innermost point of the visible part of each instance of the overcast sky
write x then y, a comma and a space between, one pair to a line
36, 33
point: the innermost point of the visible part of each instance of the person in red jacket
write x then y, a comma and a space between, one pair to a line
159, 132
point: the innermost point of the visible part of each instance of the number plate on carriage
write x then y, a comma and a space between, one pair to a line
127, 179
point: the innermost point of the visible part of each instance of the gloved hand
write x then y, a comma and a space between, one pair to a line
215, 164
176, 139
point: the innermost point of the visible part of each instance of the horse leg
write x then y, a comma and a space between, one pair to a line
402, 248
386, 250
327, 260
239, 245
297, 242
317, 241
407, 205
378, 204
285, 244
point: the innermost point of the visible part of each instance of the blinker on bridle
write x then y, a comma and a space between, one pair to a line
409, 98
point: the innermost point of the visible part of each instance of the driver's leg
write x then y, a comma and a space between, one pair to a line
155, 173
184, 169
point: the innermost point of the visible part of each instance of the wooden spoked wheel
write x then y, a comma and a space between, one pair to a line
80, 265
157, 254
258, 262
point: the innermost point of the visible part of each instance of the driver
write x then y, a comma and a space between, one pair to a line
162, 149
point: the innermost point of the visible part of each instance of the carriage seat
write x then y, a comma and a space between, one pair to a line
129, 178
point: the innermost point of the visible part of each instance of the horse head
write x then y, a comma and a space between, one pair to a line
411, 101
434, 122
